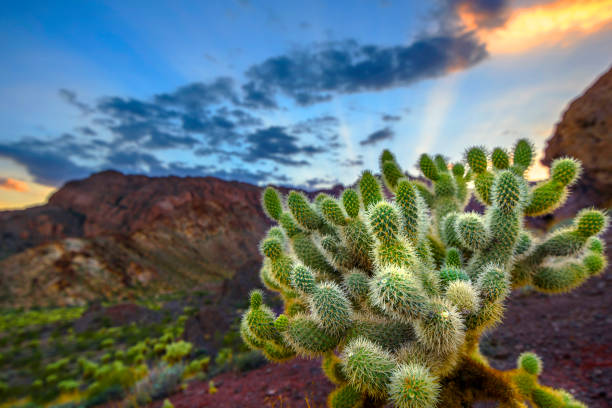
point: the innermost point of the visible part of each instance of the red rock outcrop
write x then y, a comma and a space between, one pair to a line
585, 132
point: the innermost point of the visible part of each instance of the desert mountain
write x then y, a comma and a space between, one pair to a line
122, 236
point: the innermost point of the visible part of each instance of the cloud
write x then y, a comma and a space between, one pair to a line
275, 144
8, 183
318, 73
71, 98
48, 165
352, 162
524, 28
391, 118
475, 14
378, 136
86, 130
316, 183
198, 95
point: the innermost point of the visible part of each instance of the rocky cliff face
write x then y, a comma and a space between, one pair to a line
585, 132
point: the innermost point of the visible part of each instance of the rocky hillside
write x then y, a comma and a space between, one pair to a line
123, 236
585, 132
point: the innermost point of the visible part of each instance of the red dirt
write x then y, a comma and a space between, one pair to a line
572, 333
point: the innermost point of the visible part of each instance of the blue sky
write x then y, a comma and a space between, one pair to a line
293, 93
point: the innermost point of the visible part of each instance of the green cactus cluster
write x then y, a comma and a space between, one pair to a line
392, 284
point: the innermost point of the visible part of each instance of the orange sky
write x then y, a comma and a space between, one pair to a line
15, 185
560, 22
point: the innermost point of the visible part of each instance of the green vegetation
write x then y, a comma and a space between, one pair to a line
396, 294
44, 361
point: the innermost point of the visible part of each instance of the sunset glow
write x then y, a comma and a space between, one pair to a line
12, 184
557, 23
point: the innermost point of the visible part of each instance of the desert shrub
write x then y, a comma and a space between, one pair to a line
161, 382
68, 386
196, 366
175, 352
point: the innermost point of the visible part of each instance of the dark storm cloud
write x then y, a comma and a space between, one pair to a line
316, 74
275, 144
378, 136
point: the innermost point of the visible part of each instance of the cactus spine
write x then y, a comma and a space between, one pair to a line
394, 295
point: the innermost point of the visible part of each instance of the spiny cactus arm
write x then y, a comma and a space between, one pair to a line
369, 189
388, 333
428, 167
271, 203
307, 338
500, 159
391, 248
413, 210
289, 225
331, 308
566, 243
549, 195
441, 328
523, 155
368, 367
398, 293
346, 396
390, 170
356, 285
526, 381
424, 192
463, 295
360, 243
504, 220
476, 157
302, 211
461, 180
265, 275
567, 275
332, 212
260, 319
307, 252
338, 255
413, 386
350, 200
438, 250
447, 230
471, 231
332, 368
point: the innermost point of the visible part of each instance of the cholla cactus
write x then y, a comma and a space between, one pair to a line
394, 294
